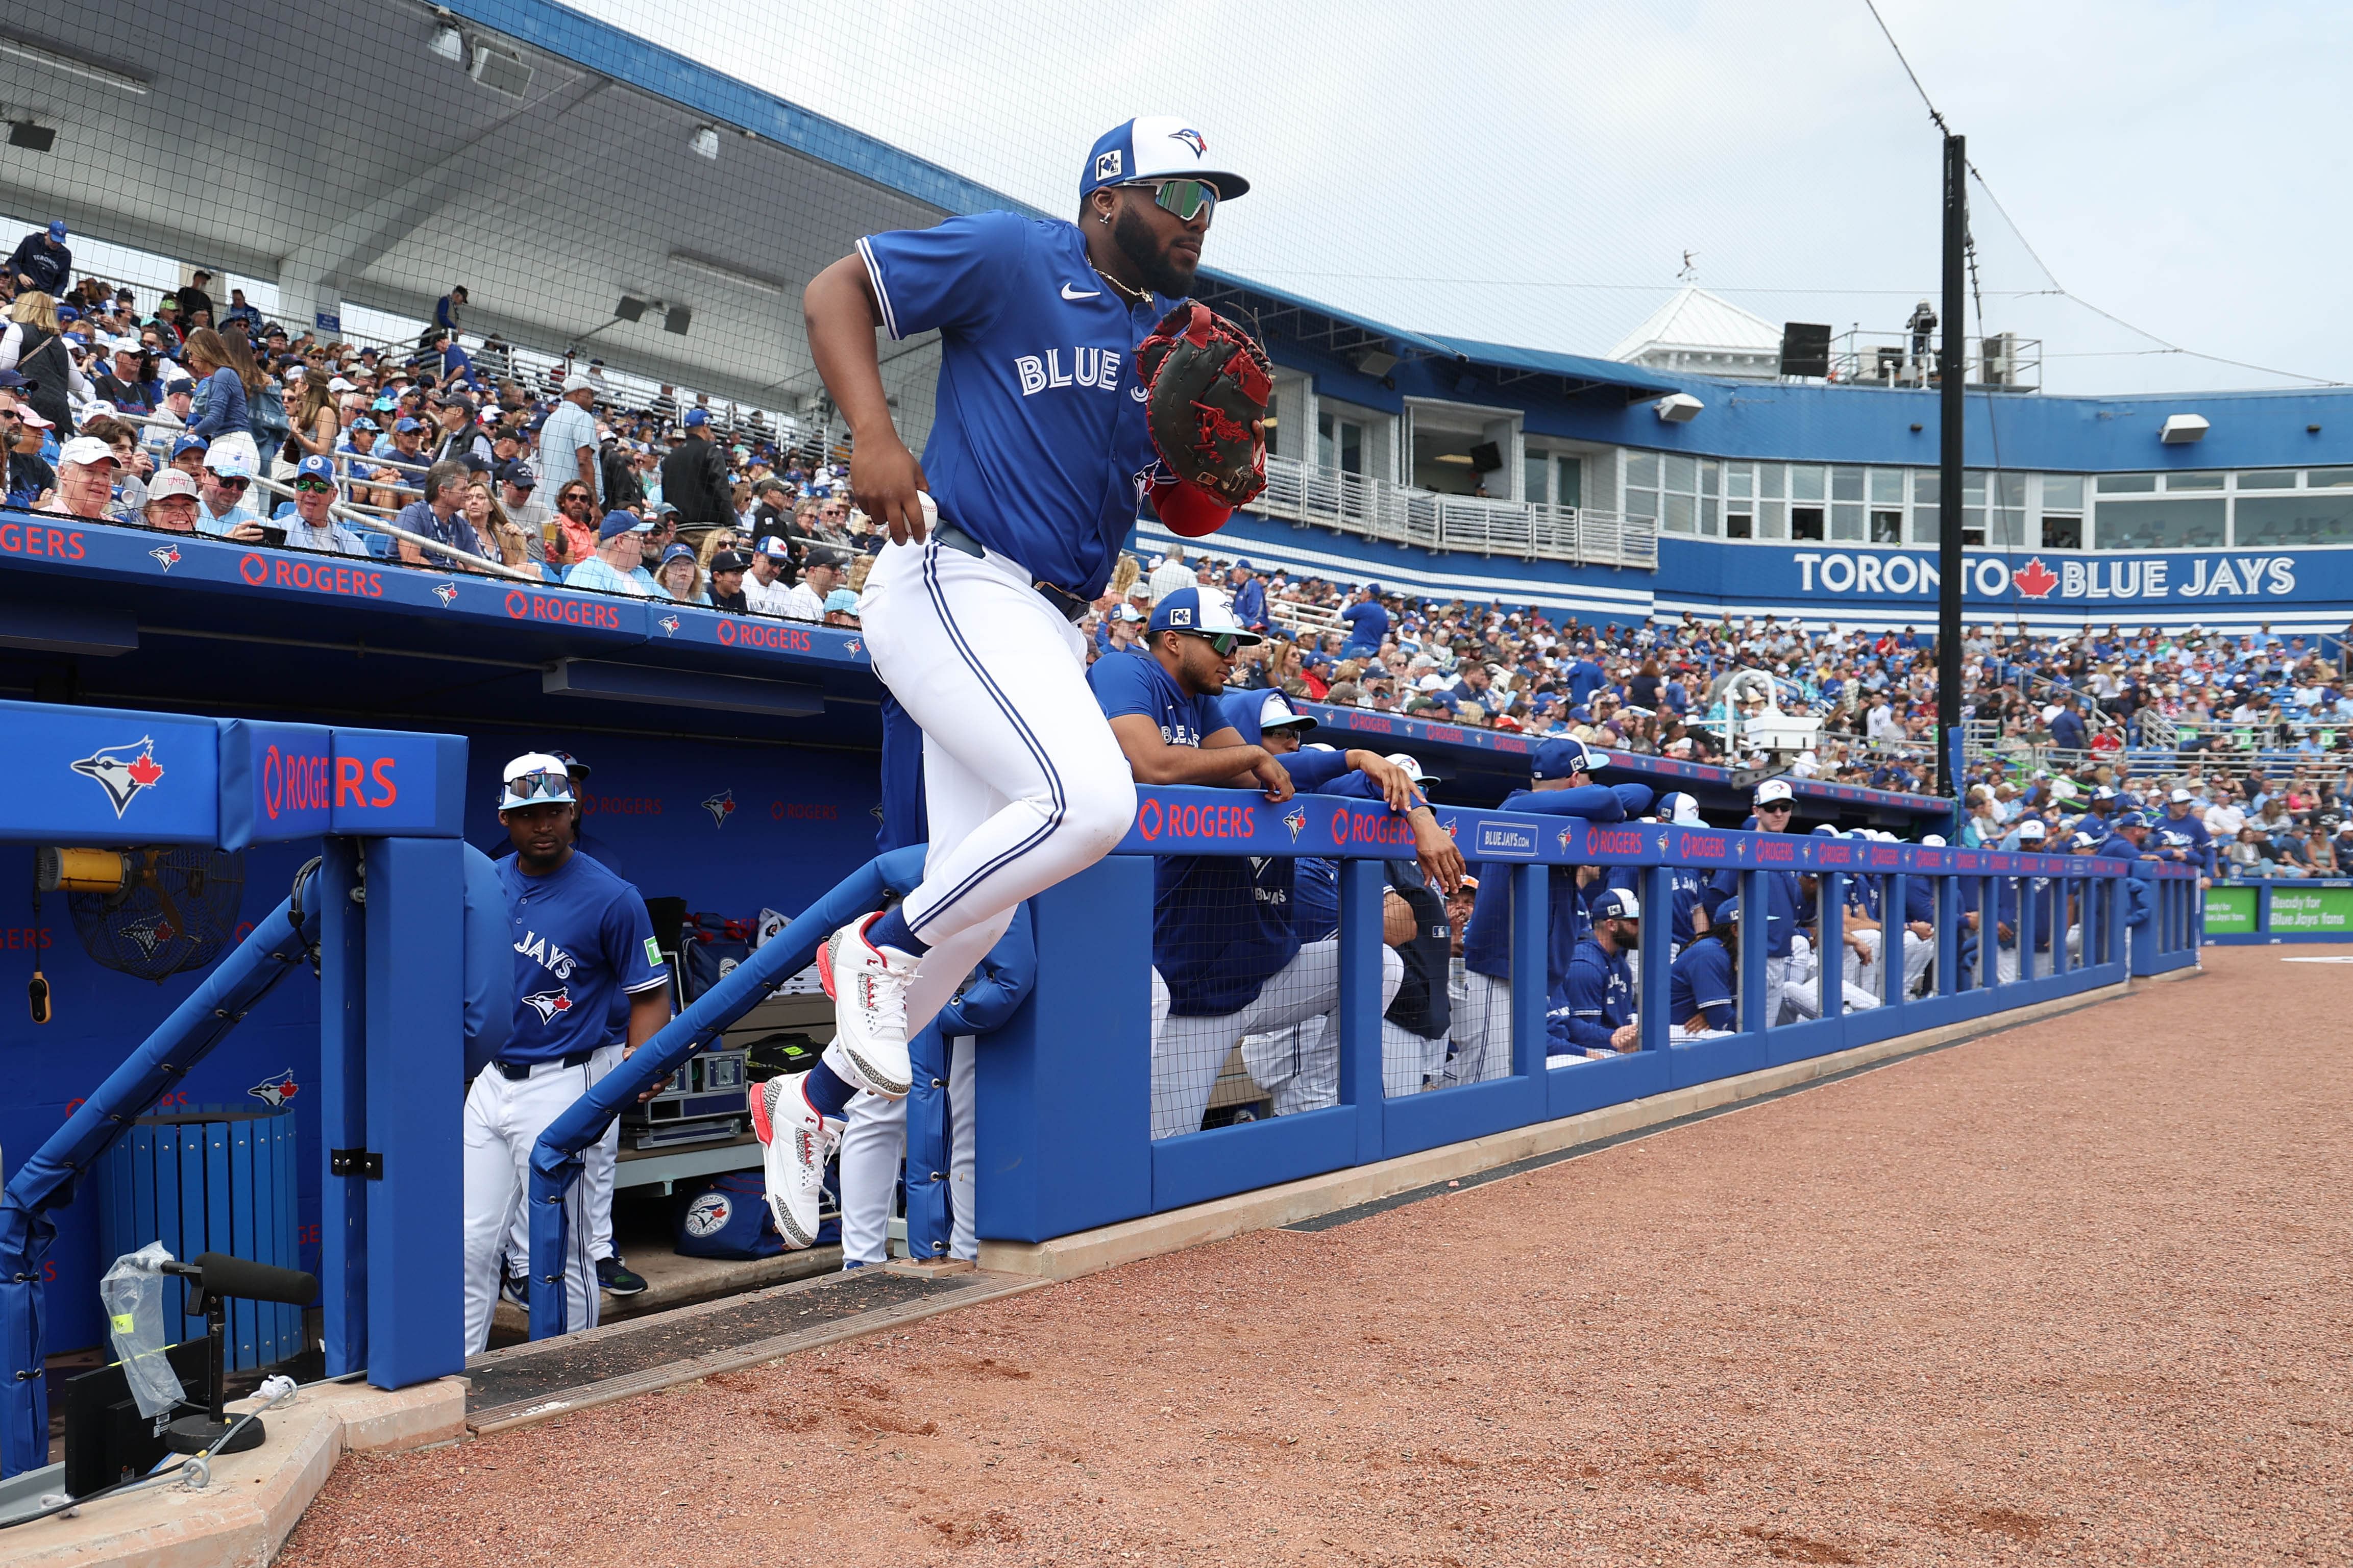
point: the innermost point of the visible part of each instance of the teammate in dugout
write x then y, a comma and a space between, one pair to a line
1684, 883
2182, 838
1226, 945
1043, 451
1597, 1020
1776, 807
582, 941
1704, 988
1561, 784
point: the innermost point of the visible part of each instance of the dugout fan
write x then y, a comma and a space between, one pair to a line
584, 954
1561, 784
1225, 942
1596, 1018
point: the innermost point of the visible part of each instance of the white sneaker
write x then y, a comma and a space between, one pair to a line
795, 1141
868, 987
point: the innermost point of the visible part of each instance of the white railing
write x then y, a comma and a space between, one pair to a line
1397, 514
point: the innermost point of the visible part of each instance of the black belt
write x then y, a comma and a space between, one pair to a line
515, 1072
1070, 606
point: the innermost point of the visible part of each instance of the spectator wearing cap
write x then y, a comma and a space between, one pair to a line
87, 467
694, 476
821, 575
172, 503
2182, 837
129, 380
224, 486
439, 516
567, 440
727, 569
841, 608
1368, 623
42, 261
765, 591
680, 576
313, 525
447, 308
460, 438
518, 497
133, 463
1249, 596
406, 456
617, 565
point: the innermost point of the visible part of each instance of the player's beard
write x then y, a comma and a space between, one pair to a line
1161, 271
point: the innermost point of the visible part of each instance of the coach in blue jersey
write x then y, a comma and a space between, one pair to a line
581, 939
2182, 838
1561, 784
1038, 460
2129, 842
1598, 1020
1684, 883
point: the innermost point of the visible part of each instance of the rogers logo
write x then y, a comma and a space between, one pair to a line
254, 570
293, 782
759, 634
1147, 819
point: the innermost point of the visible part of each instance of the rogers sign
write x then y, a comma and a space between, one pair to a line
294, 782
1187, 820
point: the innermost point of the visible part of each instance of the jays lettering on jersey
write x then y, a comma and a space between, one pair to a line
582, 941
1040, 442
1132, 681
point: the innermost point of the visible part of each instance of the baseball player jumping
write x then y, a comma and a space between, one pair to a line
1043, 448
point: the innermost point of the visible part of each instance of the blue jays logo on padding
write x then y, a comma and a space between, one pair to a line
1193, 138
123, 772
548, 1004
1564, 837
276, 1091
707, 1215
668, 625
166, 556
720, 806
447, 593
1295, 819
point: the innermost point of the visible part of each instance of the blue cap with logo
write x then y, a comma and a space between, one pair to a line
1155, 147
1616, 904
696, 417
58, 229
1188, 609
2132, 819
617, 523
1561, 758
316, 466
186, 444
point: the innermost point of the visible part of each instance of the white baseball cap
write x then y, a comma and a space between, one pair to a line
83, 450
2030, 830
2181, 796
1679, 810
230, 462
577, 382
1775, 789
1420, 775
1155, 147
542, 778
1932, 841
1275, 712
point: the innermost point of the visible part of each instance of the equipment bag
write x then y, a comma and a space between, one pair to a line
728, 1218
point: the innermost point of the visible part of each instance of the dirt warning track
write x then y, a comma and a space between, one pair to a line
2077, 1292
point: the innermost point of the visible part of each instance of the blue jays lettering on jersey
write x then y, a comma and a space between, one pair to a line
1701, 983
1598, 993
1787, 905
581, 940
1040, 439
1487, 939
1683, 890
1134, 682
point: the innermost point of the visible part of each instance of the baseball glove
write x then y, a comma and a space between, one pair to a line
1206, 386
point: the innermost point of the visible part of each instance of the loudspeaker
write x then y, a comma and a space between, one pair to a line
630, 309
678, 320
31, 138
1486, 457
1805, 349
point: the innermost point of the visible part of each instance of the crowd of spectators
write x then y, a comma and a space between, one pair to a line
565, 477
437, 456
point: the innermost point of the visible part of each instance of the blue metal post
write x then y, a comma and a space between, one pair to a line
1361, 884
1756, 938
342, 1104
1531, 966
415, 1013
1830, 962
1658, 932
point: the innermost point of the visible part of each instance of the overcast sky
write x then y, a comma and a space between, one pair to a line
1534, 174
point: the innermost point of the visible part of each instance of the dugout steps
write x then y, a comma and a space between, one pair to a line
546, 1378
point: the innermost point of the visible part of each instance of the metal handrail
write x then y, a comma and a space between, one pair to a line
1401, 514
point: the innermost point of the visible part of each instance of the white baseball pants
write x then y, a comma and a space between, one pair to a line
1481, 1031
1187, 1053
504, 1118
598, 1162
871, 1149
1023, 781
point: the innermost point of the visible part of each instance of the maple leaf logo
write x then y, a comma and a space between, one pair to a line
720, 806
122, 771
668, 625
447, 593
2035, 580
167, 557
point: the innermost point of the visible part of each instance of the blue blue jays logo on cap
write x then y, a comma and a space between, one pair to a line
1193, 138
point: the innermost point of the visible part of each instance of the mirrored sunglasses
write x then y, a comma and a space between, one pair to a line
541, 787
314, 487
1186, 199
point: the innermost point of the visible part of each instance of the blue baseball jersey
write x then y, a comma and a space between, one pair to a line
1598, 993
1683, 892
2187, 835
1487, 938
1040, 448
1134, 682
1702, 982
582, 945
1788, 906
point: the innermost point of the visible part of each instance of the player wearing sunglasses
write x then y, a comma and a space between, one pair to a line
1041, 453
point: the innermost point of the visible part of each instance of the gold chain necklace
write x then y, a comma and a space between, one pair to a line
1133, 296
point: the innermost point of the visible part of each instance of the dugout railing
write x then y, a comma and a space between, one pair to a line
1065, 1089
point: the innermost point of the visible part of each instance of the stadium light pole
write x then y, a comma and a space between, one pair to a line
1951, 385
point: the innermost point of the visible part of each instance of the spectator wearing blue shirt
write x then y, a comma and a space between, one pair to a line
1249, 597
439, 517
1368, 623
41, 261
312, 524
2067, 732
618, 566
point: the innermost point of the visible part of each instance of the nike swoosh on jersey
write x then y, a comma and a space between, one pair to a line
1070, 294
